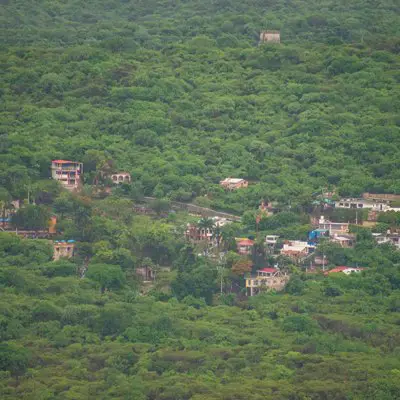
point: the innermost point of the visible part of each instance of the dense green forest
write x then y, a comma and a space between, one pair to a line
65, 335
180, 94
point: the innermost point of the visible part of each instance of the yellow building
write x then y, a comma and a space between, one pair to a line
63, 249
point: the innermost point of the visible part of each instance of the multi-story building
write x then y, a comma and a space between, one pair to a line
297, 250
244, 246
68, 173
333, 227
267, 278
195, 233
271, 240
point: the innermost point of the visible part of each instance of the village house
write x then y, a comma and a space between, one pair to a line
345, 241
146, 273
121, 177
333, 227
270, 37
297, 249
244, 246
361, 204
271, 241
393, 238
373, 203
196, 233
68, 173
234, 183
344, 270
63, 249
384, 197
267, 278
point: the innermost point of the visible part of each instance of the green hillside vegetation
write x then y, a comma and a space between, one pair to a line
68, 337
180, 94
69, 334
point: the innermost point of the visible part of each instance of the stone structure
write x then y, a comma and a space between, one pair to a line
121, 177
270, 37
63, 249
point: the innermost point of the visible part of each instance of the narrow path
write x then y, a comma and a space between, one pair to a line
208, 212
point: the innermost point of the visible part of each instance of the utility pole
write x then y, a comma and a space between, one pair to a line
323, 262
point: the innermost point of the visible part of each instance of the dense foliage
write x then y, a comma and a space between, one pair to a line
327, 338
180, 94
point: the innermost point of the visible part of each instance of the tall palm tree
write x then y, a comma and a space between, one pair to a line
206, 223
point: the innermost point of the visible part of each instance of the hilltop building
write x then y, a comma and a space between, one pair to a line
270, 37
68, 173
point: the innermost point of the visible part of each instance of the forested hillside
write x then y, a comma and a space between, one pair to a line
180, 94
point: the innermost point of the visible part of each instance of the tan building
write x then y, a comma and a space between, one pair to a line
121, 177
146, 274
234, 183
383, 197
270, 37
333, 227
68, 173
63, 249
266, 279
297, 250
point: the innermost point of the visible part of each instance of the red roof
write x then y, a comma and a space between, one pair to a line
268, 270
65, 162
246, 242
341, 269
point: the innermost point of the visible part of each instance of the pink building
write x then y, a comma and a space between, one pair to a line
68, 173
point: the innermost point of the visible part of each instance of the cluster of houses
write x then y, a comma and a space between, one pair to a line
69, 175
